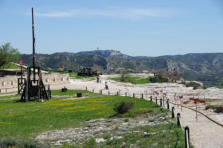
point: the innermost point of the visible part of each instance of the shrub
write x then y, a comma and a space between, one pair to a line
64, 89
123, 107
205, 87
126, 120
123, 77
157, 79
219, 109
91, 143
106, 136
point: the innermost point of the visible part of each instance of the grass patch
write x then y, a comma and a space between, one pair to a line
72, 75
133, 80
25, 120
166, 135
10, 66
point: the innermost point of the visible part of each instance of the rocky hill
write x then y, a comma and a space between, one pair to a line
205, 67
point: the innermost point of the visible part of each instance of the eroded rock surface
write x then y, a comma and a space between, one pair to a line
102, 129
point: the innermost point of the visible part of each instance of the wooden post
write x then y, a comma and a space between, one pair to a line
168, 105
173, 112
163, 101
178, 119
187, 137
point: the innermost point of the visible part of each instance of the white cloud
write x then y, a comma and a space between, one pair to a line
127, 13
55, 14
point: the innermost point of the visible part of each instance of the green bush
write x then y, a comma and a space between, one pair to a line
157, 79
123, 107
91, 143
126, 120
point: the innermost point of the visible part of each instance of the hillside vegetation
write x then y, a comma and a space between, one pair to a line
206, 67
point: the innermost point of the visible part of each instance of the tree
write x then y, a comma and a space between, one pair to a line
167, 76
8, 54
124, 75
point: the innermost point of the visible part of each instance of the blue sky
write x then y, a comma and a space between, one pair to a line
134, 27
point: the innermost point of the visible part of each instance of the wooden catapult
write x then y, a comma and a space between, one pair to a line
32, 87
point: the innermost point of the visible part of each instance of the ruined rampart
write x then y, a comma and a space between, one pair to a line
10, 83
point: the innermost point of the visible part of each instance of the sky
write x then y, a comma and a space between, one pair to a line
134, 27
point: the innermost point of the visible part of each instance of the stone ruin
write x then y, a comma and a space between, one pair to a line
10, 83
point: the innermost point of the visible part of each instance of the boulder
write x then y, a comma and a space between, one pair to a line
194, 84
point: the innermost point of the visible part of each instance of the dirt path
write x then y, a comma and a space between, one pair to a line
204, 133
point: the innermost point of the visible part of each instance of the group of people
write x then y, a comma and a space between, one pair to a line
99, 81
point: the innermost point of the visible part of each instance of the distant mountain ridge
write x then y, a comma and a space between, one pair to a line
205, 67
103, 53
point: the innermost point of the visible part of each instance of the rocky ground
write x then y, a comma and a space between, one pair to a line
103, 130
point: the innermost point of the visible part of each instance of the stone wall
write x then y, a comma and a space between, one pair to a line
10, 83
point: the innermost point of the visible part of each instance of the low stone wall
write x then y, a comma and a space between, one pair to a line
10, 83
